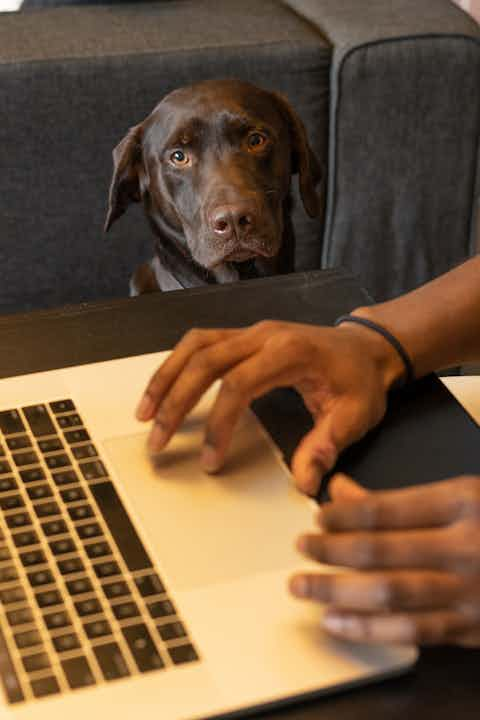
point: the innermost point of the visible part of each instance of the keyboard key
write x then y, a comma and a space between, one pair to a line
162, 608
61, 406
95, 550
18, 443
11, 502
69, 421
65, 477
116, 589
182, 654
33, 557
82, 452
50, 445
25, 458
125, 610
40, 577
96, 629
20, 617
54, 527
11, 422
4, 467
57, 461
39, 420
7, 484
30, 638
64, 643
18, 520
149, 585
79, 586
171, 631
39, 492
39, 661
142, 647
76, 436
119, 523
88, 607
111, 661
46, 509
57, 620
4, 554
93, 470
8, 574
77, 672
81, 512
48, 598
28, 537
89, 531
45, 686
106, 569
60, 547
12, 595
72, 494
32, 475
10, 681
73, 565
2, 450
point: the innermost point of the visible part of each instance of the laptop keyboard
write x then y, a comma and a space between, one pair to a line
80, 600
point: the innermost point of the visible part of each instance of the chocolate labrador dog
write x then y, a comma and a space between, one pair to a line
212, 165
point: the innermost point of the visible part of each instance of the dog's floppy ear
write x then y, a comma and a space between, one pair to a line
125, 185
304, 161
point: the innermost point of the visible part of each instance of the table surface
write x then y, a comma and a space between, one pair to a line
446, 681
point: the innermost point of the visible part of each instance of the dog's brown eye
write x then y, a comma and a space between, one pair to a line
256, 140
179, 157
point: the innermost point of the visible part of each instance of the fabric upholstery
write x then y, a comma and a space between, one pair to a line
404, 134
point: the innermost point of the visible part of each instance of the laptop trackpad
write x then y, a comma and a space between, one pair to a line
205, 529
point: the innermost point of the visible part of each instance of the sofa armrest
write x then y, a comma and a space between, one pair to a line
403, 139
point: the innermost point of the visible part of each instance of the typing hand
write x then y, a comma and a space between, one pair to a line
343, 375
414, 563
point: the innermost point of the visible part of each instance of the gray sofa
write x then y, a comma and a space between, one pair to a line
388, 90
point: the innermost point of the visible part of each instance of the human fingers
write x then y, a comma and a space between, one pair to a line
433, 505
343, 421
364, 550
342, 488
254, 376
160, 382
417, 628
201, 369
381, 591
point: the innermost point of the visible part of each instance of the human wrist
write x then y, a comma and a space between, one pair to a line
383, 349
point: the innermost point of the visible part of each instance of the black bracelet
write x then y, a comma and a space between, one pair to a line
409, 371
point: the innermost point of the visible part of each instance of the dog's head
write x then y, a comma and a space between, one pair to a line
212, 165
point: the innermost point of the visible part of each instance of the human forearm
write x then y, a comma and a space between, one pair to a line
438, 324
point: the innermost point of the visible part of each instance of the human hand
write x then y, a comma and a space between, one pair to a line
414, 563
343, 375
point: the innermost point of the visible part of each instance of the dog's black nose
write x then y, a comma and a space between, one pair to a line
232, 220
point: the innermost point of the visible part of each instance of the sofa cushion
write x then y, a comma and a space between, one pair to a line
73, 80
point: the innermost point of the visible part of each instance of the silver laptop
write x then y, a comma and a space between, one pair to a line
150, 587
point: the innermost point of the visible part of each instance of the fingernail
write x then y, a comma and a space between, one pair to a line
209, 459
158, 438
334, 623
312, 480
302, 544
145, 408
299, 586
